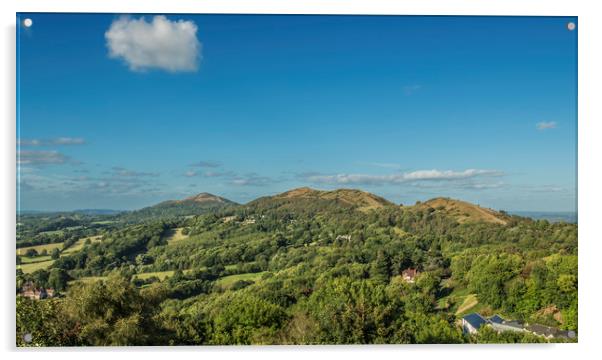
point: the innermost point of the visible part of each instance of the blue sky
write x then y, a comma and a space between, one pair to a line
123, 112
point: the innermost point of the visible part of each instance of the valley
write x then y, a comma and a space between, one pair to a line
301, 267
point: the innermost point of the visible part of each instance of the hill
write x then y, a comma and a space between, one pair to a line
307, 199
464, 212
303, 267
194, 205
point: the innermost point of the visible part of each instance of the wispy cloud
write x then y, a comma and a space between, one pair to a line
411, 89
546, 125
544, 188
252, 179
68, 141
206, 164
209, 174
31, 157
123, 172
217, 174
386, 165
159, 44
408, 177
117, 181
50, 142
483, 186
29, 142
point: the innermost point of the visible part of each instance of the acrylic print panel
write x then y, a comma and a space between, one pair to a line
277, 179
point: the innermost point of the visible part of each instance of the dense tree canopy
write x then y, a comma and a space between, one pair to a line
317, 270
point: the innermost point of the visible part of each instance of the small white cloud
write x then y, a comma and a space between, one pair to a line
68, 141
123, 172
546, 125
28, 142
206, 164
190, 173
161, 43
27, 157
49, 142
449, 174
484, 186
408, 177
252, 179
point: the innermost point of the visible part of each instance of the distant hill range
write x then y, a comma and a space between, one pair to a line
552, 216
194, 205
308, 200
97, 211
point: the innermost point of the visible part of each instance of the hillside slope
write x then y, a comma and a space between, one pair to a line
194, 205
464, 212
305, 198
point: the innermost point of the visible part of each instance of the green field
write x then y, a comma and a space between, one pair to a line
32, 264
32, 267
469, 302
34, 259
79, 244
40, 248
52, 232
174, 235
104, 222
162, 275
227, 281
87, 279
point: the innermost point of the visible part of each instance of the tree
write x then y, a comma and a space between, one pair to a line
113, 312
242, 318
31, 253
58, 279
40, 323
55, 254
489, 274
354, 312
432, 329
379, 270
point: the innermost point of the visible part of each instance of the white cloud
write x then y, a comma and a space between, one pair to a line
68, 141
123, 172
252, 179
484, 186
29, 157
29, 142
546, 125
161, 43
414, 176
48, 142
206, 164
448, 174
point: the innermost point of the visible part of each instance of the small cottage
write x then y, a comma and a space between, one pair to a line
30, 291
